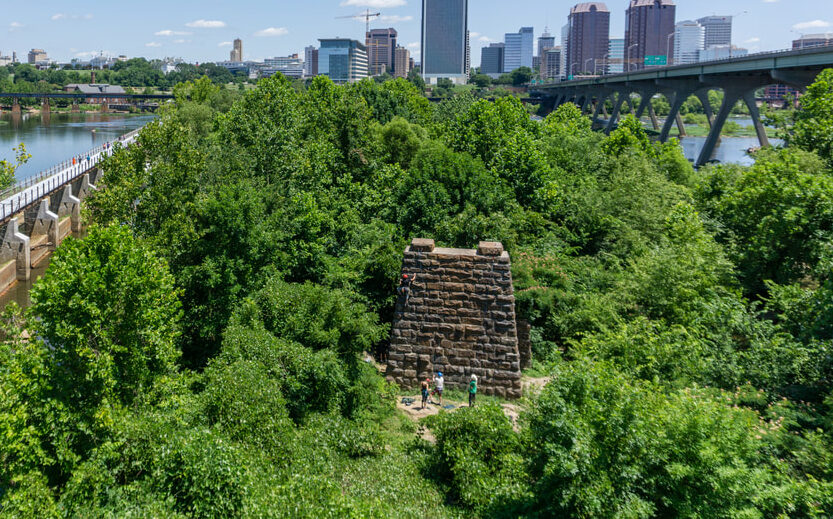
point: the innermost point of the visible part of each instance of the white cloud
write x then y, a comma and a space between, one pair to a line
181, 41
224, 44
168, 32
153, 44
770, 1
413, 45
273, 31
752, 40
15, 25
382, 4
393, 18
63, 16
206, 24
814, 24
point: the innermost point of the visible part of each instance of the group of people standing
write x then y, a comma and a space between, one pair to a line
439, 385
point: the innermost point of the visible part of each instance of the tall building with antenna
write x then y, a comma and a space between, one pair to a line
445, 40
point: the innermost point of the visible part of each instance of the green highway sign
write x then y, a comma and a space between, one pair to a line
656, 61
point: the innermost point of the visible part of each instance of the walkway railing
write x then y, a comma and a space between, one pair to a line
32, 189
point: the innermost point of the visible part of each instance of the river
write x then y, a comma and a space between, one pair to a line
51, 140
59, 136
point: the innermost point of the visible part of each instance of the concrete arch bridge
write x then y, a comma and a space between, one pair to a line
738, 78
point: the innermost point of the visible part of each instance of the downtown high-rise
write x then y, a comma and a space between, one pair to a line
236, 54
519, 48
445, 40
649, 33
381, 47
689, 40
491, 60
718, 30
588, 41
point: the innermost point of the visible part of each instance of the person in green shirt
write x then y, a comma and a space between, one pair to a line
472, 390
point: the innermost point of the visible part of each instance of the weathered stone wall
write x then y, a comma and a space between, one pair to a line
459, 319
524, 343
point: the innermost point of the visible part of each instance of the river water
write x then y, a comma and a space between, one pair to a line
51, 140
57, 137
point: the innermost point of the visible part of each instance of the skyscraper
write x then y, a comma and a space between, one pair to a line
718, 30
649, 31
587, 47
311, 61
689, 40
401, 62
565, 43
342, 60
615, 63
518, 52
444, 40
236, 54
551, 63
381, 44
491, 60
545, 41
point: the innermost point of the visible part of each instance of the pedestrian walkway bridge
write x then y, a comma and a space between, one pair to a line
37, 214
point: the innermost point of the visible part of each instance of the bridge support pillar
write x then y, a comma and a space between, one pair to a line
749, 98
654, 118
45, 106
730, 98
601, 99
644, 102
86, 187
46, 224
74, 108
105, 107
681, 125
677, 100
16, 107
15, 248
617, 106
70, 206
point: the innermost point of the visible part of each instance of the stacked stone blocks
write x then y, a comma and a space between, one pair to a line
459, 319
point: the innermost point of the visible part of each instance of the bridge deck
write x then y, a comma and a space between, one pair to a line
31, 190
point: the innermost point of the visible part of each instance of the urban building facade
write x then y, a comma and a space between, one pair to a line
518, 50
649, 32
401, 62
381, 45
717, 52
616, 56
342, 60
551, 64
545, 41
291, 66
444, 40
236, 54
37, 56
809, 41
311, 61
689, 41
491, 60
718, 30
587, 46
565, 40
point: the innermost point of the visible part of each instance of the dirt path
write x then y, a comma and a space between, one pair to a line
415, 412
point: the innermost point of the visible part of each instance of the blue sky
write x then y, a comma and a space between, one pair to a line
202, 30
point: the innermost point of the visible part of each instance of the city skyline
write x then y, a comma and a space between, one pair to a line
205, 32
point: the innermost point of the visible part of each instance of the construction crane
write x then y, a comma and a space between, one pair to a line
367, 15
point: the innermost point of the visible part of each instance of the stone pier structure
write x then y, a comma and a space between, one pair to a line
458, 319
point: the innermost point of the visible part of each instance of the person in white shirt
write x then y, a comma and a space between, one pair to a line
439, 383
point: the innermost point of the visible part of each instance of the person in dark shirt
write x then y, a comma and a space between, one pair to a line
425, 386
405, 286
